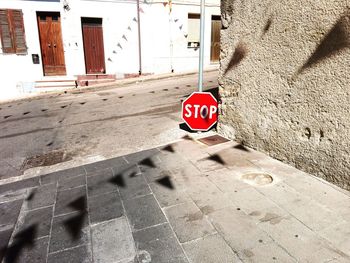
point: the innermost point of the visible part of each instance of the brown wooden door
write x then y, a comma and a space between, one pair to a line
215, 38
93, 45
50, 35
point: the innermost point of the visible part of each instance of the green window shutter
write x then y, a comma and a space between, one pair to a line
18, 31
6, 33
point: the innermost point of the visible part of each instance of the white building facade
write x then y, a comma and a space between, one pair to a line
69, 39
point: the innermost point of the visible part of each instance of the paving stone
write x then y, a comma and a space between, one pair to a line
71, 182
168, 197
42, 196
134, 187
173, 162
188, 222
26, 183
281, 193
80, 254
27, 253
158, 244
14, 195
301, 242
9, 212
207, 196
103, 165
250, 200
153, 174
226, 180
210, 249
237, 229
69, 231
105, 207
112, 241
41, 217
135, 158
312, 214
71, 200
100, 183
338, 235
270, 252
206, 164
5, 235
62, 175
143, 212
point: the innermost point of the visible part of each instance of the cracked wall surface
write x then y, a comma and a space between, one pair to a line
285, 82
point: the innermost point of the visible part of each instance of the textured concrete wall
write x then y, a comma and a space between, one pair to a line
285, 81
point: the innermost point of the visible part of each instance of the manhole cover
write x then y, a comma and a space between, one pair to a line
257, 178
46, 159
213, 140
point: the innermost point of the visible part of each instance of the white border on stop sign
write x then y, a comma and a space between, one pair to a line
182, 109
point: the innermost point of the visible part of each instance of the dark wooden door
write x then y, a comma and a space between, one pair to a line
93, 45
50, 35
215, 39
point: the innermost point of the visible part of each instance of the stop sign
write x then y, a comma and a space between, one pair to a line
200, 111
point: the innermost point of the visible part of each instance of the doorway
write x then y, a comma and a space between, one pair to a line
93, 45
215, 38
51, 45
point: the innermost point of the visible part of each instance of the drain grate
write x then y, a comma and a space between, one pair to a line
46, 159
213, 140
257, 179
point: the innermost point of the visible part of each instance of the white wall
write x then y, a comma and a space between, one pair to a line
121, 54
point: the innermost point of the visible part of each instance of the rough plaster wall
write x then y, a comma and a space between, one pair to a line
285, 81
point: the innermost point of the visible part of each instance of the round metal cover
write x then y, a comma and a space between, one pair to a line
258, 179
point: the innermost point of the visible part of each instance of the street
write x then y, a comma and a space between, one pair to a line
93, 125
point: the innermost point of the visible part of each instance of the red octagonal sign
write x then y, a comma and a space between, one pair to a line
200, 111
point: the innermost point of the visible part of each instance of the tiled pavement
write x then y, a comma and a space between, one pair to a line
187, 202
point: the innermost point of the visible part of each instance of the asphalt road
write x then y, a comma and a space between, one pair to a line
71, 129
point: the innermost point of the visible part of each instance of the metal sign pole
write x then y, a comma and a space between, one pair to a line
201, 47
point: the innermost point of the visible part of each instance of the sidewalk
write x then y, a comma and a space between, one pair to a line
185, 202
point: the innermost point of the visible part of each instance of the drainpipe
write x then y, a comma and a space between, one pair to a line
139, 35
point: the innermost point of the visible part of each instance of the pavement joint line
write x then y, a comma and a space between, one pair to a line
66, 214
139, 196
171, 227
202, 237
171, 206
100, 194
148, 227
51, 223
75, 187
38, 208
66, 249
88, 214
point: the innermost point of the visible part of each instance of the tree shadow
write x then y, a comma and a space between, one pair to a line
183, 126
75, 224
118, 180
336, 40
78, 204
239, 54
241, 147
22, 239
169, 148
166, 182
216, 158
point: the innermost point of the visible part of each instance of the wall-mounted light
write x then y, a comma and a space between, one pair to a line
66, 6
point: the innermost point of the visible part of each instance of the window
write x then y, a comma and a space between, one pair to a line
193, 38
12, 31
